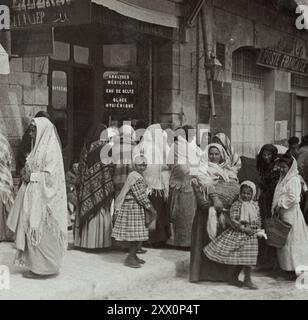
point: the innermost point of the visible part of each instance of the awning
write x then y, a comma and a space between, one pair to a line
4, 61
129, 10
301, 2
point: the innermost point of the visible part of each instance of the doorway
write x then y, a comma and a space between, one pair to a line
71, 106
247, 116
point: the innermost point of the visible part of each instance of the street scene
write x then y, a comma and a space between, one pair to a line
154, 150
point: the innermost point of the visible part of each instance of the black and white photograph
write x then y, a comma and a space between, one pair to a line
154, 150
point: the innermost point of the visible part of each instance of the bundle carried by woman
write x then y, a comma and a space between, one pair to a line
219, 176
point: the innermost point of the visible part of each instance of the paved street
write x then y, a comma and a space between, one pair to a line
101, 275
181, 289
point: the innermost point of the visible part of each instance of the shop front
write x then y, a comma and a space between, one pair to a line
103, 72
102, 61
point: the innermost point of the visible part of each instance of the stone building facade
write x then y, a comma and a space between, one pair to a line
254, 104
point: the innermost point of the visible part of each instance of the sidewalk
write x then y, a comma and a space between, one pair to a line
93, 275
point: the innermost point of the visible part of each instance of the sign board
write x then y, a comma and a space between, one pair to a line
120, 90
33, 42
281, 130
276, 59
33, 13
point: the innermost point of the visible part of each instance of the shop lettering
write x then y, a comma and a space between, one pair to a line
36, 18
302, 20
120, 90
4, 17
275, 59
19, 5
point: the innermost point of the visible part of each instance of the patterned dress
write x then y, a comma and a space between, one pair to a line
130, 222
234, 247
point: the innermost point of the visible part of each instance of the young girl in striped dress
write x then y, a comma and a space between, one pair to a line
131, 206
238, 245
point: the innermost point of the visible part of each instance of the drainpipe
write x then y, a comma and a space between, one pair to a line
207, 59
197, 73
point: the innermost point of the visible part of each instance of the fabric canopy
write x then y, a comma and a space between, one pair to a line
139, 13
4, 61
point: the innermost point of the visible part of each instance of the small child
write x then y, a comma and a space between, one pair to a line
71, 182
132, 207
238, 245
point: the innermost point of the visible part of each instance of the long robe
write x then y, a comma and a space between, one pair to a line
39, 214
202, 268
287, 198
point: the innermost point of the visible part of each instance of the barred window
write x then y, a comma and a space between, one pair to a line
245, 68
299, 81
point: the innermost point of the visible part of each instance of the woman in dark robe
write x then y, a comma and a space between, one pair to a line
268, 179
93, 224
202, 268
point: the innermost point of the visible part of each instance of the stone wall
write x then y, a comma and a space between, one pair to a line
23, 93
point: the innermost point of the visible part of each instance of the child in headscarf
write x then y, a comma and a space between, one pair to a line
132, 207
238, 245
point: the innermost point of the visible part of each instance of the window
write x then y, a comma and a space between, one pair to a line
119, 55
245, 68
59, 90
221, 53
299, 81
62, 51
299, 118
81, 54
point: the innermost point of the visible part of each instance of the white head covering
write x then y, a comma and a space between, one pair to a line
209, 172
46, 193
283, 181
248, 210
155, 148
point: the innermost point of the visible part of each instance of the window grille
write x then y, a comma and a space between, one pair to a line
221, 53
299, 81
245, 68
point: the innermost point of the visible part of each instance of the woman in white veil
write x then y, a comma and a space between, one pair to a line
39, 215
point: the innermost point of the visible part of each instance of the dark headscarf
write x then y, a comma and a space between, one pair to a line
262, 166
95, 179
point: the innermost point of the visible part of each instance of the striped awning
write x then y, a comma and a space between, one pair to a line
140, 13
4, 61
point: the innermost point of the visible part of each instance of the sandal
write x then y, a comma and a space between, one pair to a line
141, 261
32, 275
141, 251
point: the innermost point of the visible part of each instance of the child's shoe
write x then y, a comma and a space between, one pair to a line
236, 283
132, 263
247, 280
250, 285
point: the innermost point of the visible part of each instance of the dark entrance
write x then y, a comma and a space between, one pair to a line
71, 106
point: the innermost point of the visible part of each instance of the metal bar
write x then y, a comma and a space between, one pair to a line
197, 73
195, 12
207, 60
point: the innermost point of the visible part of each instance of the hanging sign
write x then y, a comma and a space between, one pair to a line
32, 13
33, 42
276, 59
120, 90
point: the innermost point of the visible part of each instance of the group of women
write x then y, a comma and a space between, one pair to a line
191, 191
